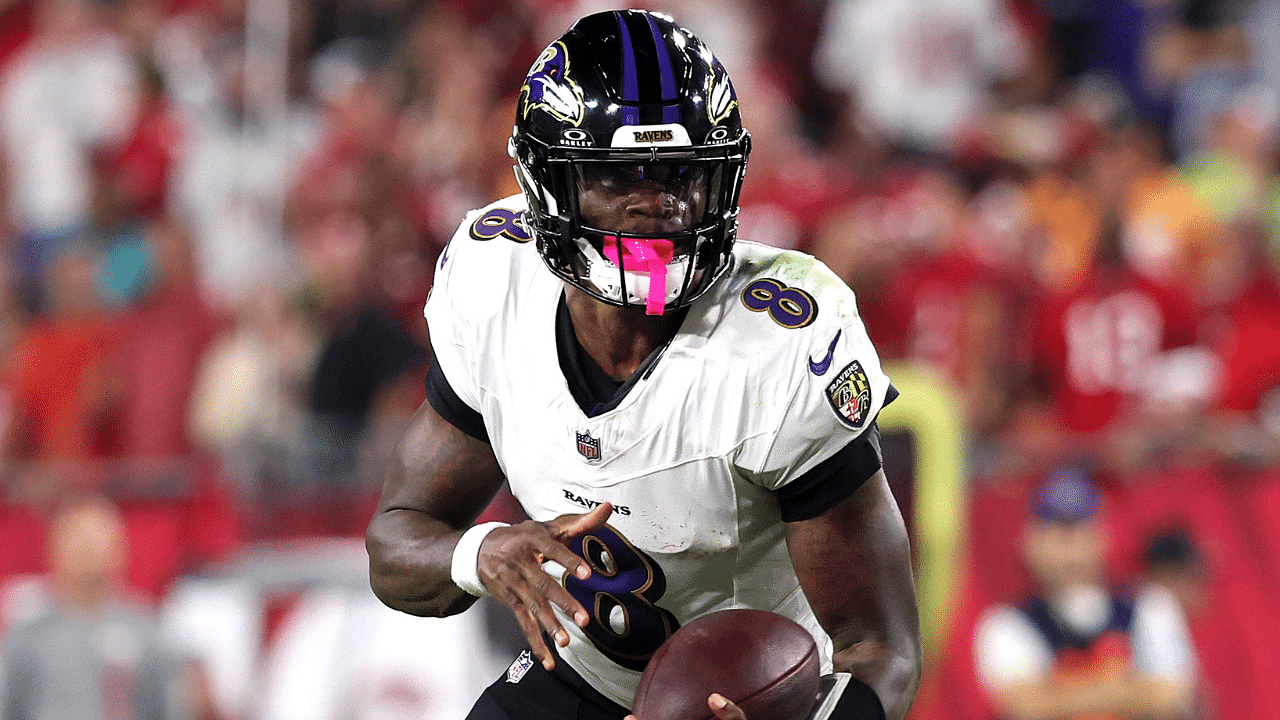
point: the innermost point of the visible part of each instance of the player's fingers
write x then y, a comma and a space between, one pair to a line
552, 590
723, 709
533, 633
533, 596
567, 527
555, 551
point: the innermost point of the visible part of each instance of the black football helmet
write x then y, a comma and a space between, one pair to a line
629, 96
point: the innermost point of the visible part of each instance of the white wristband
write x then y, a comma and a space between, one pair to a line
467, 553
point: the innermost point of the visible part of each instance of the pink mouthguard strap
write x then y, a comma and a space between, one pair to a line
651, 254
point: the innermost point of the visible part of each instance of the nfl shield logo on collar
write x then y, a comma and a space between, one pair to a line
588, 447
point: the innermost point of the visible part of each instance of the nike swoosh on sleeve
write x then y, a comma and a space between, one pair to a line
821, 367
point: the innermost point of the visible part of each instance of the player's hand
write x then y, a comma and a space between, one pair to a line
720, 707
510, 566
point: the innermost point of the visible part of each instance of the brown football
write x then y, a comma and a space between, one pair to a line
765, 663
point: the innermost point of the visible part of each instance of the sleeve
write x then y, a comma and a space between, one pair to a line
1162, 644
447, 325
836, 391
449, 406
833, 479
1008, 650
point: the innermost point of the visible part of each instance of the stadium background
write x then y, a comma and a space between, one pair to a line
220, 217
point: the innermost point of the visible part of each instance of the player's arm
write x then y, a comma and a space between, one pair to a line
440, 480
854, 565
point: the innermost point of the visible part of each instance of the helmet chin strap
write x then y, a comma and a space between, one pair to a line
645, 254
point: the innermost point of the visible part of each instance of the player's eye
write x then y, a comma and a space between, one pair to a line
612, 175
669, 177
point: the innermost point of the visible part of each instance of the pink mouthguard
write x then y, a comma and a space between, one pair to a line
644, 254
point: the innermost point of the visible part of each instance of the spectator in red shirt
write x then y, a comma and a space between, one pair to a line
58, 368
1096, 346
940, 306
1242, 291
161, 341
791, 185
139, 166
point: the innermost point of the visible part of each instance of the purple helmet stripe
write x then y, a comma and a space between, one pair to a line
630, 84
666, 75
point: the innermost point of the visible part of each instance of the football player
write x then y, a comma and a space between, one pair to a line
688, 421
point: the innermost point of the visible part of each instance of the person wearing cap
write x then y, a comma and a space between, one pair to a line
1077, 648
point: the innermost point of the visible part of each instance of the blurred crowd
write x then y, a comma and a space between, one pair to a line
219, 221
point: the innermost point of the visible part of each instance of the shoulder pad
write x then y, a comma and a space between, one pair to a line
793, 289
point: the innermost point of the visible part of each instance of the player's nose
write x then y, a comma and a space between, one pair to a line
649, 200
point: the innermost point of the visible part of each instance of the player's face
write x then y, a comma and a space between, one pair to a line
642, 198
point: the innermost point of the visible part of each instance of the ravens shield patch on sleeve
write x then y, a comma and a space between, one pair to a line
850, 395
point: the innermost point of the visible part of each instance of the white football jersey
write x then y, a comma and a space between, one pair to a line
770, 374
